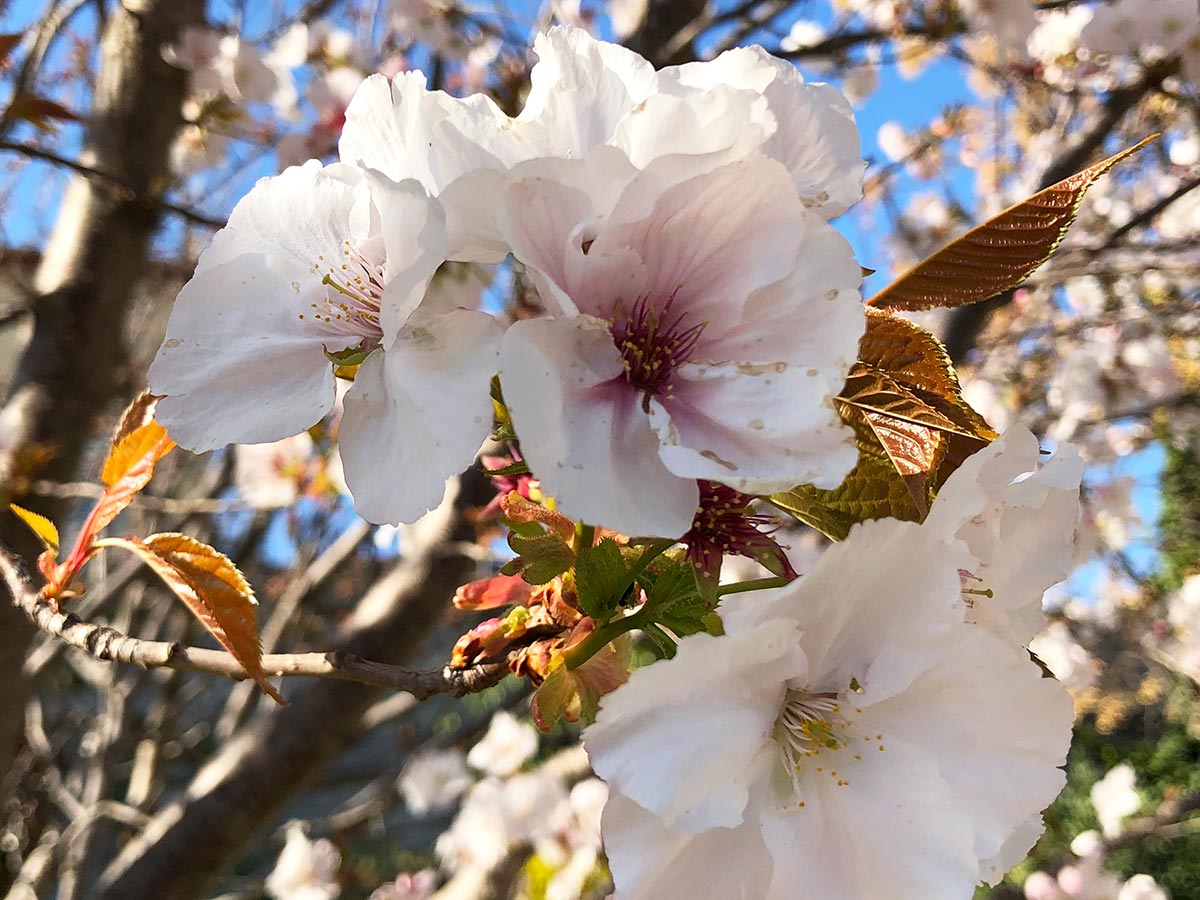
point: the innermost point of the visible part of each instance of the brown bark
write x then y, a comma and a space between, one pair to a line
73, 366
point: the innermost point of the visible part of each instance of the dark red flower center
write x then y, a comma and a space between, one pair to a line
654, 342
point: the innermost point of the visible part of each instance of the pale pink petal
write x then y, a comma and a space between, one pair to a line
584, 433
417, 414
726, 422
686, 739
711, 240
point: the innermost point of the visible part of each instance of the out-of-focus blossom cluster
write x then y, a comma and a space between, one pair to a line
1086, 877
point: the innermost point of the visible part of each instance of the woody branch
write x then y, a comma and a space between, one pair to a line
109, 644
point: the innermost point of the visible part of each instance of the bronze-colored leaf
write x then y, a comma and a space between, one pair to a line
999, 254
8, 43
215, 591
40, 112
874, 489
912, 428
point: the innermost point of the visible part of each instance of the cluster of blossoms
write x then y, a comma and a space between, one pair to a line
1114, 798
233, 81
696, 317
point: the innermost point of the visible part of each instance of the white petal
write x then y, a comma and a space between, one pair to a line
686, 737
406, 131
413, 228
893, 832
1017, 535
873, 608
581, 88
583, 431
650, 862
997, 728
759, 428
1015, 849
721, 124
417, 414
982, 476
238, 364
302, 214
816, 138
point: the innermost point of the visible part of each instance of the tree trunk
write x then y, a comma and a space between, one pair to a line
74, 364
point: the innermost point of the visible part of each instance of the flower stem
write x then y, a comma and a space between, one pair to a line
652, 552
610, 631
758, 584
601, 638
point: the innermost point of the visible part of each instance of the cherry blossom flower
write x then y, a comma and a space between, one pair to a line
587, 94
498, 815
704, 326
408, 886
268, 476
1151, 27
434, 780
626, 15
322, 260
848, 733
1142, 887
1115, 796
508, 745
1013, 534
306, 869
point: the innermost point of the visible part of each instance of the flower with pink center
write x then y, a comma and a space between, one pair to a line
725, 525
325, 261
703, 324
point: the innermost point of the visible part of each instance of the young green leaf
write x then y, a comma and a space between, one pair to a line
673, 599
600, 574
539, 559
999, 254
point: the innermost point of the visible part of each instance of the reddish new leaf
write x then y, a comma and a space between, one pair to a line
215, 591
999, 254
39, 112
8, 43
130, 465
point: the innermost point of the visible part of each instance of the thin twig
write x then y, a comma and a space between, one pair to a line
48, 156
108, 644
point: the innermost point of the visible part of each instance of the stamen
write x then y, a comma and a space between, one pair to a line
653, 345
811, 725
351, 305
